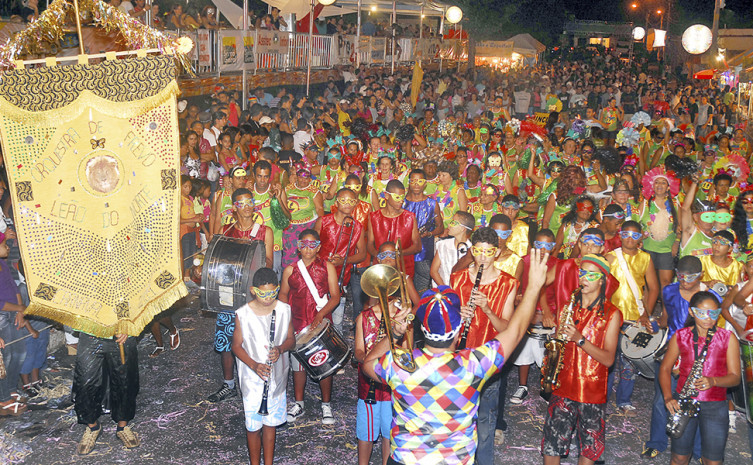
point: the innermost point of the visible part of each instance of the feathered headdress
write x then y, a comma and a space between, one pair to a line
513, 125
628, 137
528, 127
659, 172
577, 129
641, 118
734, 165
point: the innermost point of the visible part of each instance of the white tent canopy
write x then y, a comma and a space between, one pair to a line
526, 45
341, 7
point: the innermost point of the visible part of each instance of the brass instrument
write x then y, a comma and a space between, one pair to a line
404, 298
554, 356
472, 306
348, 219
380, 281
689, 405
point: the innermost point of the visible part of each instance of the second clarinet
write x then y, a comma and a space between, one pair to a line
263, 407
472, 306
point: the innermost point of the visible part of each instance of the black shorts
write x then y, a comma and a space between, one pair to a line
564, 416
663, 260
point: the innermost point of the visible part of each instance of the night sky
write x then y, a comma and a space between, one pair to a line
699, 10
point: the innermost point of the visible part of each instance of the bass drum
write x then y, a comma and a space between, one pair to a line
746, 352
229, 266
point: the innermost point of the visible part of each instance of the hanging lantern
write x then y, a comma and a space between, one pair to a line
454, 14
639, 33
696, 39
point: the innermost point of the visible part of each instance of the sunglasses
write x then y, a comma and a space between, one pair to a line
308, 244
397, 197
588, 151
381, 256
721, 241
549, 246
615, 215
303, 174
503, 234
556, 170
238, 204
635, 235
511, 204
747, 201
454, 223
590, 276
266, 294
417, 182
347, 202
688, 277
704, 314
488, 253
353, 187
593, 238
357, 172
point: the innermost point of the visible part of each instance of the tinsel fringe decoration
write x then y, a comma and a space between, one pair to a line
610, 159
48, 28
681, 167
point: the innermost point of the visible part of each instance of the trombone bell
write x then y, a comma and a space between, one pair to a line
379, 282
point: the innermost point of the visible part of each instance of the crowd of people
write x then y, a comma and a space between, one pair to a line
574, 202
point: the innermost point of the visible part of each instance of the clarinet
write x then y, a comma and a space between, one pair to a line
371, 395
472, 306
689, 407
263, 407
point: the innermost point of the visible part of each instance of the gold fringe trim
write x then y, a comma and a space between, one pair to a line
97, 329
85, 101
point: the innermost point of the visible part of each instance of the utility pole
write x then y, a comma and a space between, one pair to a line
718, 5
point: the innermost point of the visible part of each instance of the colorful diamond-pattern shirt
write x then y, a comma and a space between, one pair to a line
435, 407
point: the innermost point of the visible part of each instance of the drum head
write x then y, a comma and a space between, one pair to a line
308, 334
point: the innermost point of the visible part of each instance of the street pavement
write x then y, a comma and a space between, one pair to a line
178, 426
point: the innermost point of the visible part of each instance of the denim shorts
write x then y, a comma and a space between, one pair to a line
713, 420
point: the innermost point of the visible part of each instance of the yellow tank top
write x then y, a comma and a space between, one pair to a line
623, 297
729, 275
509, 264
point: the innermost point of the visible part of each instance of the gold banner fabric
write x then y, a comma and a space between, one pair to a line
92, 155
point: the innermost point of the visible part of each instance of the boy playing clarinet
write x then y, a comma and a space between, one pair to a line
262, 333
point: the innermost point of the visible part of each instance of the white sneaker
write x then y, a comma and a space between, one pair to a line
327, 417
520, 394
294, 412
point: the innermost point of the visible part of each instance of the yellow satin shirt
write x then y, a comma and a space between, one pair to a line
729, 275
518, 241
623, 298
509, 264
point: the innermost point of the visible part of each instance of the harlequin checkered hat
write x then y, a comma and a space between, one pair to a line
439, 314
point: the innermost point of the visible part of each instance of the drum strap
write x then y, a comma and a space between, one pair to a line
630, 280
320, 301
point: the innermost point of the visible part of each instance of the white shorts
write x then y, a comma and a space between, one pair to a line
531, 352
278, 414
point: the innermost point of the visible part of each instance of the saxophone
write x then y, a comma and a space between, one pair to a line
689, 406
554, 356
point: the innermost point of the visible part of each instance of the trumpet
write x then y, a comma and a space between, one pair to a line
404, 298
381, 281
347, 220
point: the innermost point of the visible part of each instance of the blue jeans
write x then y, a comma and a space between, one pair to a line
487, 421
13, 355
658, 438
627, 376
355, 288
36, 349
713, 424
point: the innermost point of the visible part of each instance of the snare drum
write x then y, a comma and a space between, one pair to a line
746, 352
226, 274
641, 348
322, 350
540, 333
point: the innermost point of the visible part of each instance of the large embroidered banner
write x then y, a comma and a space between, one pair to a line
92, 156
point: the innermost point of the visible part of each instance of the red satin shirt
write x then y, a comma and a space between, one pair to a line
390, 229
496, 293
328, 235
302, 303
715, 364
582, 378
